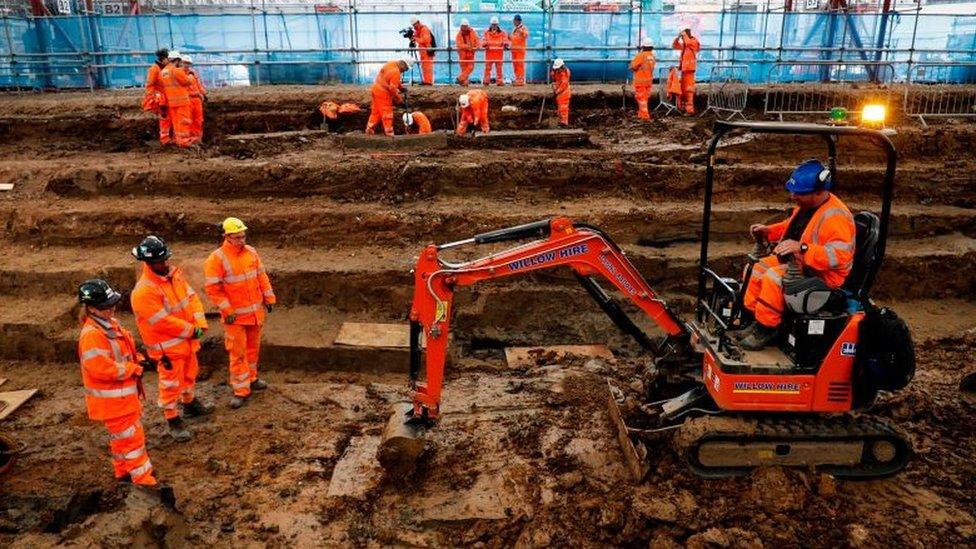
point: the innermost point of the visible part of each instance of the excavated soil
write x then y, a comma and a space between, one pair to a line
524, 456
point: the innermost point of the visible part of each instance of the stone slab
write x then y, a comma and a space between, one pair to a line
371, 334
357, 472
11, 400
358, 140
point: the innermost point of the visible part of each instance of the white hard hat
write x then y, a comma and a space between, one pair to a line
494, 20
409, 61
414, 20
646, 42
465, 23
558, 64
174, 54
407, 119
464, 100
187, 59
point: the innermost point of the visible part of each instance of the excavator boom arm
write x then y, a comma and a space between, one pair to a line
585, 250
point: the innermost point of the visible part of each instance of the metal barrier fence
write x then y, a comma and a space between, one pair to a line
934, 91
728, 90
816, 87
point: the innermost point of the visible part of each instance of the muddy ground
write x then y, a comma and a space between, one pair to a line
524, 456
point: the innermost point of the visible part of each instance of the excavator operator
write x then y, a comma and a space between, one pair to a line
819, 234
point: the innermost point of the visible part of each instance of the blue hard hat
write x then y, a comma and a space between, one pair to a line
810, 176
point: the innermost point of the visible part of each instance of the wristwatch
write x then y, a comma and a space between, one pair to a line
804, 248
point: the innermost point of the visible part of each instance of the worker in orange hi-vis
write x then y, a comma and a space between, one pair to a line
198, 96
473, 111
170, 319
518, 39
424, 39
416, 122
177, 86
331, 111
495, 42
689, 46
387, 91
467, 42
673, 87
642, 65
154, 100
560, 89
111, 370
237, 284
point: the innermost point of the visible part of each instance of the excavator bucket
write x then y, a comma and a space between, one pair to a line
402, 442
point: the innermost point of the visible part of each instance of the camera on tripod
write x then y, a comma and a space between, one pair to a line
408, 34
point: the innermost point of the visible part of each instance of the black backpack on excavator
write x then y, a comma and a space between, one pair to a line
885, 359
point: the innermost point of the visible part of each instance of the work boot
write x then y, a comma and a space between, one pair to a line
259, 385
742, 332
124, 479
178, 431
760, 337
236, 401
195, 408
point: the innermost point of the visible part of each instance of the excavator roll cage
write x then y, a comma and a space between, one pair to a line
586, 250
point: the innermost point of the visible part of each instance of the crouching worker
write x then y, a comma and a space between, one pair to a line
473, 111
819, 234
111, 370
332, 112
416, 122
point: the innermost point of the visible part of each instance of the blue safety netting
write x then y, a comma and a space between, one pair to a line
101, 51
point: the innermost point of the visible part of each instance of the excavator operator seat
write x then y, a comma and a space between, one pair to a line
811, 295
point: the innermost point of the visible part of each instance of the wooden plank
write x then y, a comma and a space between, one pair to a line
11, 400
3, 380
277, 135
530, 356
371, 334
6, 186
357, 140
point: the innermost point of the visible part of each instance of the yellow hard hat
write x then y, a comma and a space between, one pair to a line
233, 225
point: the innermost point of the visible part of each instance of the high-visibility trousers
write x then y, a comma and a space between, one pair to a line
381, 108
182, 119
243, 344
427, 66
467, 67
688, 91
127, 441
165, 128
562, 105
494, 59
764, 294
196, 119
642, 94
178, 383
518, 66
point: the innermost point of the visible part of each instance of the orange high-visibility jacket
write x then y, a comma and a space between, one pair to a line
560, 81
237, 283
494, 43
109, 369
519, 37
467, 43
196, 87
389, 81
642, 65
478, 102
176, 85
332, 110
830, 237
674, 83
422, 36
167, 312
155, 95
421, 121
689, 46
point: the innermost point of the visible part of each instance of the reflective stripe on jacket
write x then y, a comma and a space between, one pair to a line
830, 237
689, 46
237, 284
167, 312
176, 85
519, 36
642, 66
109, 368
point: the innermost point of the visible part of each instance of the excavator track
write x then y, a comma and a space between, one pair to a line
843, 446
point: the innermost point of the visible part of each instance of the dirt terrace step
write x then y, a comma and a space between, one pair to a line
378, 278
406, 176
324, 222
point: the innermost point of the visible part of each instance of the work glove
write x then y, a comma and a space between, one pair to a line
198, 333
230, 318
166, 362
147, 364
269, 307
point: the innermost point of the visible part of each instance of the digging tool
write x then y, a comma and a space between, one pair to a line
623, 95
726, 410
542, 110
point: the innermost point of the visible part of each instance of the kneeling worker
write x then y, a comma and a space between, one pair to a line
237, 284
416, 122
111, 370
473, 111
819, 233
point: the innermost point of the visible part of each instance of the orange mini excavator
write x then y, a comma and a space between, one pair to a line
726, 410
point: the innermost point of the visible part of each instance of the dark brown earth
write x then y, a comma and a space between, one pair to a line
524, 456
